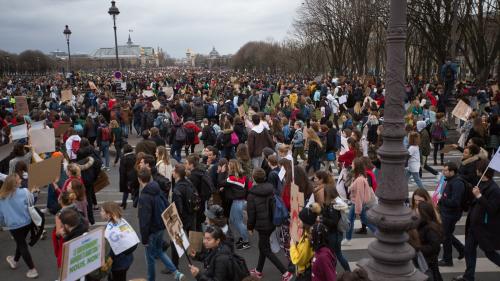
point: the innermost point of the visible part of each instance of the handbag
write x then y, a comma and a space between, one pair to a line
101, 182
35, 216
373, 199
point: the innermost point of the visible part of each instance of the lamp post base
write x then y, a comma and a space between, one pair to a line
382, 272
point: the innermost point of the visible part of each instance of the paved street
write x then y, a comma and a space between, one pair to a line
46, 263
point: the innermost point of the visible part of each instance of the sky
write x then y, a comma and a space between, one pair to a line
173, 25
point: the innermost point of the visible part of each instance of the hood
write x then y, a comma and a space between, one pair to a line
421, 125
470, 159
263, 190
85, 152
197, 172
152, 188
259, 128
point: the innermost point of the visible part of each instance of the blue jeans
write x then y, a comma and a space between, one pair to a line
416, 178
334, 240
124, 129
364, 220
104, 148
236, 218
175, 151
153, 251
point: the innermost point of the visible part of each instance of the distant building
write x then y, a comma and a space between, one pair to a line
190, 57
132, 54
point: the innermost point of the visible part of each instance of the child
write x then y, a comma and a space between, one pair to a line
324, 261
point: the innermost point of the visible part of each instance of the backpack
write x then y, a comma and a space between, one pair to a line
234, 139
344, 224
75, 146
278, 210
468, 196
210, 111
254, 101
239, 269
207, 187
438, 132
190, 135
105, 134
180, 134
193, 200
160, 205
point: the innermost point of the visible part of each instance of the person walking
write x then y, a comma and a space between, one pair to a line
413, 168
127, 173
116, 139
103, 141
14, 216
324, 262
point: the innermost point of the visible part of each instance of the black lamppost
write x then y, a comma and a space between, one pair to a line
67, 33
113, 11
391, 255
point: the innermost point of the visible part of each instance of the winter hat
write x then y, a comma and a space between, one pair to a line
214, 212
421, 125
308, 215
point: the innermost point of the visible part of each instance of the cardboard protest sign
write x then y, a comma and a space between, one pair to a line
156, 104
148, 94
82, 255
173, 224
44, 172
37, 125
195, 241
169, 91
61, 129
22, 105
343, 99
296, 204
66, 95
92, 85
120, 236
123, 86
43, 140
5, 150
462, 110
19, 132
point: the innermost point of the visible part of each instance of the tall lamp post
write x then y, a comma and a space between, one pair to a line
113, 11
67, 34
390, 253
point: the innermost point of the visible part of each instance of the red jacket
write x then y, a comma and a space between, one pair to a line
432, 98
347, 158
373, 179
192, 125
323, 265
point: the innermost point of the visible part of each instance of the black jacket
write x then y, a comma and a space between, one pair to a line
217, 265
147, 222
450, 204
331, 140
274, 179
331, 218
127, 172
430, 245
158, 140
196, 179
79, 230
484, 216
259, 206
163, 182
182, 192
468, 170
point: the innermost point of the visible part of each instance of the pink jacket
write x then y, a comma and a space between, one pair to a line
360, 193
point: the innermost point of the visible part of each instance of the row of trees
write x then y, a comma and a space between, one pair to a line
348, 37
29, 61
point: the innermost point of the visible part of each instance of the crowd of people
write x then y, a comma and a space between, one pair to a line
227, 150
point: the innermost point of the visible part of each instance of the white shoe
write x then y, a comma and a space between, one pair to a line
12, 263
32, 273
346, 242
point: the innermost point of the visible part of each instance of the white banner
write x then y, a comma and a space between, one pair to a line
120, 236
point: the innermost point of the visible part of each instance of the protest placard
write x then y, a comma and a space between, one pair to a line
120, 236
37, 125
343, 99
495, 161
61, 129
123, 86
66, 95
169, 91
462, 110
296, 204
156, 104
148, 94
195, 241
19, 132
173, 224
43, 140
44, 172
22, 105
82, 255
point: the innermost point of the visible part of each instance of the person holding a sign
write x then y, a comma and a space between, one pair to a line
14, 216
122, 240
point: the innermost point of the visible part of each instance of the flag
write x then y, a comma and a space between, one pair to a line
495, 161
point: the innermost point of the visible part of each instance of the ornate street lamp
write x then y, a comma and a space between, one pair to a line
391, 255
113, 11
67, 34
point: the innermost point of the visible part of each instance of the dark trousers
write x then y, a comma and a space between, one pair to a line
21, 245
471, 244
89, 190
334, 240
437, 147
265, 252
187, 148
118, 275
118, 149
450, 240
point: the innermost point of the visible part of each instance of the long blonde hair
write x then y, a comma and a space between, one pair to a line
9, 186
163, 155
312, 136
234, 168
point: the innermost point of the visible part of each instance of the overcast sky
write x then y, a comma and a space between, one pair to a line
173, 25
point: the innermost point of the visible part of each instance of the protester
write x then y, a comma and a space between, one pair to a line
127, 173
324, 261
116, 139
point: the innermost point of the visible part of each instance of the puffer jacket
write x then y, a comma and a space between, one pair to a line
217, 265
235, 188
259, 208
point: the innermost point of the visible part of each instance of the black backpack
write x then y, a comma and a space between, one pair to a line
239, 269
194, 202
468, 196
207, 187
190, 135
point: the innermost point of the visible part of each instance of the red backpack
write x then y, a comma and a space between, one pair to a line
105, 134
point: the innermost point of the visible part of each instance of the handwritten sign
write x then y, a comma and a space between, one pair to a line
22, 105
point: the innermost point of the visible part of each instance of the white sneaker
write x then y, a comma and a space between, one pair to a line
32, 273
346, 242
12, 263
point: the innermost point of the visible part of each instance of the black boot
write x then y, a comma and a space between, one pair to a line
362, 230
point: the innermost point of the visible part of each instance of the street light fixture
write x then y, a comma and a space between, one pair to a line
67, 34
113, 11
391, 255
